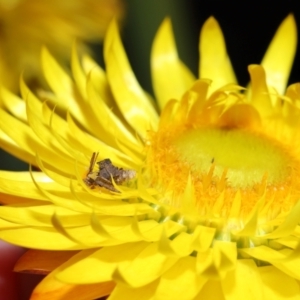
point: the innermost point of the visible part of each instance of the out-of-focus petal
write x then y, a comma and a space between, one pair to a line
214, 61
278, 59
170, 77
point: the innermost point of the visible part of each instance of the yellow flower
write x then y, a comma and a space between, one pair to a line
213, 210
26, 25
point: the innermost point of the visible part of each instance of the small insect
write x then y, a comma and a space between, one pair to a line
106, 174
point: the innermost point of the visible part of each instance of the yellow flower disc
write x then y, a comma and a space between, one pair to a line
247, 157
225, 150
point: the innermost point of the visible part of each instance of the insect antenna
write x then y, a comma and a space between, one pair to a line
93, 162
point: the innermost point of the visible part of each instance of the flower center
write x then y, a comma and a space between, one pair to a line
246, 157
211, 167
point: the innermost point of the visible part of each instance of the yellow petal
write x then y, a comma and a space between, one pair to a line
150, 230
212, 290
288, 225
131, 99
205, 238
57, 78
41, 215
263, 253
107, 231
182, 245
244, 282
10, 199
180, 282
287, 260
289, 241
125, 292
171, 79
61, 179
26, 177
290, 264
278, 59
42, 262
99, 80
117, 130
10, 146
34, 114
214, 61
100, 101
78, 74
146, 267
50, 288
84, 267
216, 262
15, 186
200, 87
67, 202
66, 94
38, 238
8, 225
13, 103
278, 285
259, 91
24, 136
18, 131
241, 116
86, 144
291, 105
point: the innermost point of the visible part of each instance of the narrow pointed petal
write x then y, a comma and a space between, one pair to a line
10, 146
13, 103
117, 129
259, 91
41, 215
56, 77
133, 102
214, 61
66, 93
279, 57
77, 71
171, 79
21, 133
99, 79
38, 238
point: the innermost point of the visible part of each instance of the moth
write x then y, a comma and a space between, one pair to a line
106, 174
